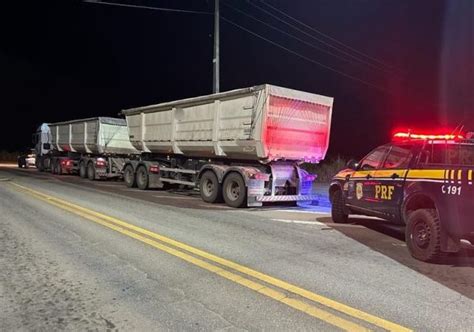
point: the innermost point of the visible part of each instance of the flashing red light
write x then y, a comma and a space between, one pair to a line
427, 136
155, 169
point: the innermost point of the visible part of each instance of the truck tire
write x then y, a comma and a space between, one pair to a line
40, 164
82, 170
423, 235
91, 171
59, 169
234, 190
129, 177
210, 188
142, 178
338, 214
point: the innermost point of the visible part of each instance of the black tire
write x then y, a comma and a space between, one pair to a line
91, 171
59, 169
129, 177
40, 164
338, 213
142, 178
82, 170
234, 190
423, 235
210, 188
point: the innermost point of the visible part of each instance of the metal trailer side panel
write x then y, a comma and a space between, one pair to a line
263, 123
114, 139
100, 135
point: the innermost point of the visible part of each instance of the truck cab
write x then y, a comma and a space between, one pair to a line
42, 142
422, 181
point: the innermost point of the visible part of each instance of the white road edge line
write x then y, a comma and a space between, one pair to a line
304, 222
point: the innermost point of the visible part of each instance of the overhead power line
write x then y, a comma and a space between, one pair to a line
248, 31
297, 38
305, 57
325, 35
147, 7
355, 57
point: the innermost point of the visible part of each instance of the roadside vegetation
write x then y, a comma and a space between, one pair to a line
327, 168
7, 156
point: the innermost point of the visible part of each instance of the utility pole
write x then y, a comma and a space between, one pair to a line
215, 60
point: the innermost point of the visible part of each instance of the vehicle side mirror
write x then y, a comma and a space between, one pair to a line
46, 146
352, 164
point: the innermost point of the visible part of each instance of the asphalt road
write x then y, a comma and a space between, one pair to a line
80, 255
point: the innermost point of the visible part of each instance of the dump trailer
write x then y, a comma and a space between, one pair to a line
243, 146
94, 148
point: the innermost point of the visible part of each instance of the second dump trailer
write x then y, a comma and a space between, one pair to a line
243, 146
95, 148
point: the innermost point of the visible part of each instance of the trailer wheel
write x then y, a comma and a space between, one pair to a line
91, 171
129, 176
210, 188
82, 170
338, 215
59, 169
142, 178
423, 235
52, 166
234, 190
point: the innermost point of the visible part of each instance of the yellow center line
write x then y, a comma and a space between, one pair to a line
132, 230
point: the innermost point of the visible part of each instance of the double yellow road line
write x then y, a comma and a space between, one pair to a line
303, 300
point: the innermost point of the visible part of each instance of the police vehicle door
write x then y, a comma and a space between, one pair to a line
390, 179
360, 184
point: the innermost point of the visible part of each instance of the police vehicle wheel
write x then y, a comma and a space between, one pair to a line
142, 178
82, 170
129, 177
423, 235
234, 190
337, 208
210, 188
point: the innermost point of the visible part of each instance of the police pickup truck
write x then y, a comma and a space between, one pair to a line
422, 181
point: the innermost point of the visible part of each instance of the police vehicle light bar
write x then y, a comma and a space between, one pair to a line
425, 136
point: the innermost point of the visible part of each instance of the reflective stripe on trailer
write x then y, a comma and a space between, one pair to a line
287, 198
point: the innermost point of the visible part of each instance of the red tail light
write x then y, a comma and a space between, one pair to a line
100, 163
67, 163
155, 169
261, 176
310, 177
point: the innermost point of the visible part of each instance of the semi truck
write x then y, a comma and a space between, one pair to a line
95, 148
244, 146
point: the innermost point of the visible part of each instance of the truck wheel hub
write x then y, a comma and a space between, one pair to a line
208, 187
234, 190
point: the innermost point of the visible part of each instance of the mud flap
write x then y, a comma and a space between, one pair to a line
255, 188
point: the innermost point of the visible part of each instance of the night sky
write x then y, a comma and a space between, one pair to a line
68, 59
